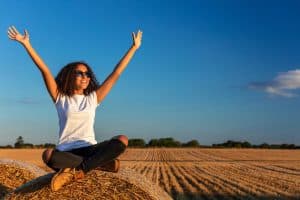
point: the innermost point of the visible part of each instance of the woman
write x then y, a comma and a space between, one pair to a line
76, 94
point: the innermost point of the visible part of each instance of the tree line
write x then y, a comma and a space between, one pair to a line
135, 142
161, 142
20, 144
246, 144
168, 142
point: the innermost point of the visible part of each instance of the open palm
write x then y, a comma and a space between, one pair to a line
13, 34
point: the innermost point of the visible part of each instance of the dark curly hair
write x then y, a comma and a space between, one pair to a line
65, 79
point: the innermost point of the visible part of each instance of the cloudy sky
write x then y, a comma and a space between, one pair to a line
207, 70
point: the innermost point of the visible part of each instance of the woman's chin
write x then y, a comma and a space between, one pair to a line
83, 87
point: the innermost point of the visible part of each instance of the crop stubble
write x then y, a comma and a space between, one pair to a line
220, 173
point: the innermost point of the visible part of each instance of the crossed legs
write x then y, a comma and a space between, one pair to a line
86, 158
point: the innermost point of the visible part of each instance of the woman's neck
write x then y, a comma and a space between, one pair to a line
78, 91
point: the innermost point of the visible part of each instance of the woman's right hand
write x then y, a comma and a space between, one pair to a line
13, 34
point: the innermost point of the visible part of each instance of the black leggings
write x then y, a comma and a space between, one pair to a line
87, 158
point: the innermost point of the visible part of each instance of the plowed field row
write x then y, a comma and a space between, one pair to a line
219, 174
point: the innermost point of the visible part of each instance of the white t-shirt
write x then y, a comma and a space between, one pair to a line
76, 120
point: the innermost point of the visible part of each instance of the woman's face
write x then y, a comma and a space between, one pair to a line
82, 77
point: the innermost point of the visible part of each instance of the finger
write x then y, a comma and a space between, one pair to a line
14, 30
10, 32
11, 37
133, 35
26, 33
9, 29
140, 33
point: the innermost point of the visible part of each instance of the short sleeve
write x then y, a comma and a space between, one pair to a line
57, 98
94, 99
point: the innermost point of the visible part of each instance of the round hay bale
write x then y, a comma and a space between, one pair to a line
124, 185
15, 173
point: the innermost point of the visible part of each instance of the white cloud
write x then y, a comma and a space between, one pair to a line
282, 85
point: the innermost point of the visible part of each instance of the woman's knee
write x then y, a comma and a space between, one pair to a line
47, 155
122, 138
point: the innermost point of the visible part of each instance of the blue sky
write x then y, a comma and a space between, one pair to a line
206, 70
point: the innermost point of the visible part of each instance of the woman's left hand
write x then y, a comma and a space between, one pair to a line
137, 39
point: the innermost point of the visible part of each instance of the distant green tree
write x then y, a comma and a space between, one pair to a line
246, 144
38, 146
229, 143
233, 144
237, 145
264, 146
27, 146
275, 146
42, 146
164, 142
216, 145
136, 142
192, 143
168, 142
49, 145
287, 146
6, 147
153, 143
19, 142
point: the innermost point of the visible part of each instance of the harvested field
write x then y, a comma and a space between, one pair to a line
214, 173
220, 173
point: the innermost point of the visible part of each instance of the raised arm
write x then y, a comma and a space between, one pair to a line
104, 89
49, 80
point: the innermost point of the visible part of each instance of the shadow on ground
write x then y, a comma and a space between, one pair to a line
4, 190
36, 184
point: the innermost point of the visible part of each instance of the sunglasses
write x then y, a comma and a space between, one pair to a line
81, 74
